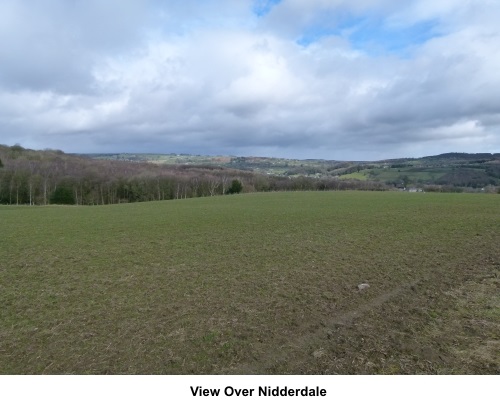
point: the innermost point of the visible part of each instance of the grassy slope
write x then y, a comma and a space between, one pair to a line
355, 175
257, 283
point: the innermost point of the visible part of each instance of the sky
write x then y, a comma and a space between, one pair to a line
325, 79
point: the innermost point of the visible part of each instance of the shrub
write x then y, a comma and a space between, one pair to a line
235, 188
62, 195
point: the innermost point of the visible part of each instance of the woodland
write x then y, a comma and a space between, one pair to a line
31, 177
42, 177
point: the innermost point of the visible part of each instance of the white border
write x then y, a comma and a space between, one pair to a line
386, 390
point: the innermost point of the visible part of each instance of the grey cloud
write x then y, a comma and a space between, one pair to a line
53, 45
205, 84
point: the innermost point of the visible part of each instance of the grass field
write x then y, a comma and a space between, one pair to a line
254, 283
355, 175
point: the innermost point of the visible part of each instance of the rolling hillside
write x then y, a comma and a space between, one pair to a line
477, 170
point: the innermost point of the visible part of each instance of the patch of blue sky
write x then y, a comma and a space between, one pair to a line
314, 34
375, 38
329, 24
372, 36
263, 7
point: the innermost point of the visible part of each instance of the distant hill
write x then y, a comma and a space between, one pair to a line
54, 177
464, 170
465, 156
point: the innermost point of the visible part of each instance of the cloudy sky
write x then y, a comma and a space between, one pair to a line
331, 79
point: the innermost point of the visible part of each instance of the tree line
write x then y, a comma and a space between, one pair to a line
31, 177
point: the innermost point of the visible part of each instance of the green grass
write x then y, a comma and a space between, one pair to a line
254, 283
356, 175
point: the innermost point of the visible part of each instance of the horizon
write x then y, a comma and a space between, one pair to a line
249, 156
278, 157
299, 79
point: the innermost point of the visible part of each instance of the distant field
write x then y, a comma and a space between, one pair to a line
355, 175
253, 283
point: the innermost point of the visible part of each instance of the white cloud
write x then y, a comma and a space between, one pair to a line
217, 78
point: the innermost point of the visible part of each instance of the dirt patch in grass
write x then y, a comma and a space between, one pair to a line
425, 327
